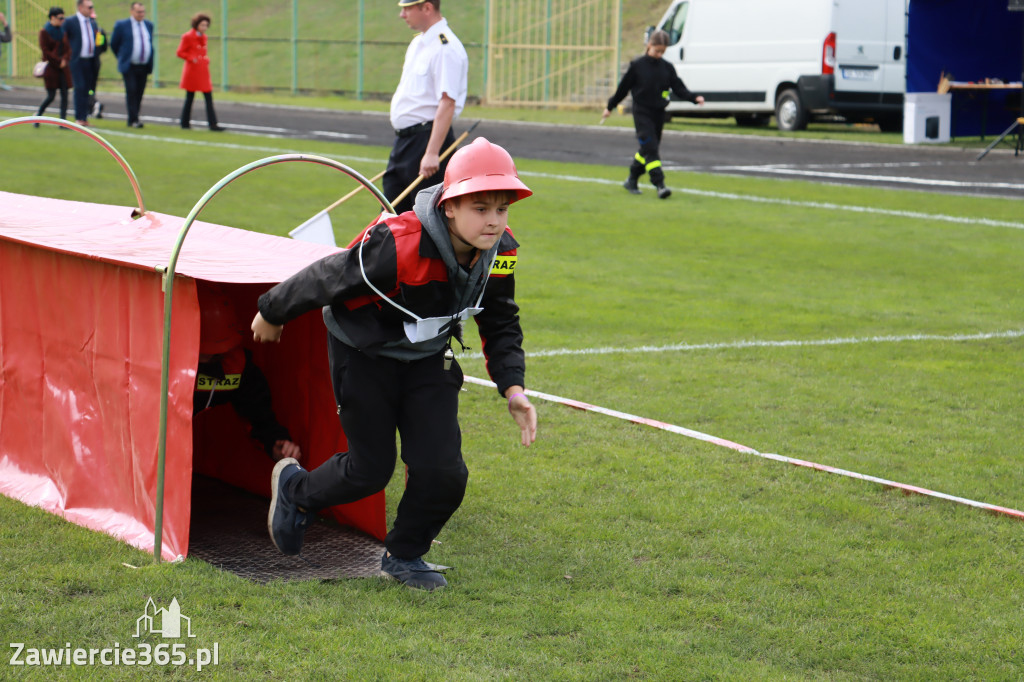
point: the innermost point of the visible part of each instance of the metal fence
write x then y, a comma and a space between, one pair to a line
529, 52
552, 52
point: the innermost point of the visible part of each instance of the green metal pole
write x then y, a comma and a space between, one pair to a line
547, 55
224, 45
167, 285
618, 47
295, 46
156, 38
359, 53
487, 42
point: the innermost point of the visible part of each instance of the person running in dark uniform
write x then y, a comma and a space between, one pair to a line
393, 304
227, 375
650, 78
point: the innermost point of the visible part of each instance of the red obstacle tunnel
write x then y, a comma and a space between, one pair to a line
81, 326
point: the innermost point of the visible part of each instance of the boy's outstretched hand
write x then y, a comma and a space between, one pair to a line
264, 331
523, 412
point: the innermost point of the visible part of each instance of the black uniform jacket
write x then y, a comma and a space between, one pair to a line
234, 379
403, 262
650, 80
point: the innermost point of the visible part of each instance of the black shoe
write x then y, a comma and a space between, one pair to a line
216, 128
414, 573
630, 185
287, 522
664, 192
135, 124
35, 125
185, 126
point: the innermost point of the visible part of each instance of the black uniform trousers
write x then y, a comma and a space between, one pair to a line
648, 124
376, 397
83, 75
134, 87
404, 165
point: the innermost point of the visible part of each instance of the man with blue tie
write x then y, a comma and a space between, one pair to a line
81, 33
132, 42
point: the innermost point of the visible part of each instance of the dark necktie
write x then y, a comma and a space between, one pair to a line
88, 37
142, 44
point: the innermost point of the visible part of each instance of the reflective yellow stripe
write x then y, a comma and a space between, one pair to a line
504, 265
640, 158
652, 165
230, 382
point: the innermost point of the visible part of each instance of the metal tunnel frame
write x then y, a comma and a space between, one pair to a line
168, 275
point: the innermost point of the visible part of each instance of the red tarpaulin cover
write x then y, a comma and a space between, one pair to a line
81, 336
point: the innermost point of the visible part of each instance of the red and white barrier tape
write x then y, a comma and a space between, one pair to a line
690, 433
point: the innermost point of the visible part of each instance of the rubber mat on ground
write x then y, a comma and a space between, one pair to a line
229, 531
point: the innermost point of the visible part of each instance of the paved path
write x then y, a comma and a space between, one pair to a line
946, 169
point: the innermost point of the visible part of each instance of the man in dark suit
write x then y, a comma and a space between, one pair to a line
132, 42
81, 32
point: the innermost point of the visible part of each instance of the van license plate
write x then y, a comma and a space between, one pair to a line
859, 74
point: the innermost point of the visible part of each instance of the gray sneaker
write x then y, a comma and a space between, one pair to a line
631, 186
414, 573
664, 192
287, 522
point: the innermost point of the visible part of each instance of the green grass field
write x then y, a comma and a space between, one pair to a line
608, 550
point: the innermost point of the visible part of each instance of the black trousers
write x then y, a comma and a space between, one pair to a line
50, 94
648, 125
134, 87
404, 166
376, 397
83, 75
186, 110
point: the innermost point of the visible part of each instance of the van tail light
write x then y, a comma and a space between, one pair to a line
828, 54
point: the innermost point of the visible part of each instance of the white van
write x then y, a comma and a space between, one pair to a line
797, 59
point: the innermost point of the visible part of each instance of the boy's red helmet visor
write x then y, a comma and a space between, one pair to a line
482, 167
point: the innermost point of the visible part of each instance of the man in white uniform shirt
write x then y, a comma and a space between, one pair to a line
429, 97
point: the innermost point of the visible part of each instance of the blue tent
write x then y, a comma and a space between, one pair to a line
968, 40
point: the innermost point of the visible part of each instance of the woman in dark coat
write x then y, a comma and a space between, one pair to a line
56, 51
195, 74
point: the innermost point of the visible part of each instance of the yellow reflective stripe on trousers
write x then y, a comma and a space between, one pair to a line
639, 158
652, 165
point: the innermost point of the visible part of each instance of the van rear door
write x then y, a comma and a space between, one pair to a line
862, 50
894, 69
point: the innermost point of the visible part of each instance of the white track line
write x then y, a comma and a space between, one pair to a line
789, 202
603, 181
905, 180
715, 440
852, 340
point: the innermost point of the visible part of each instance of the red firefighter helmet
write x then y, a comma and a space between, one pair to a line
482, 167
218, 324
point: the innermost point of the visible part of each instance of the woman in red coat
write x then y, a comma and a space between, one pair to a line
195, 76
56, 52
